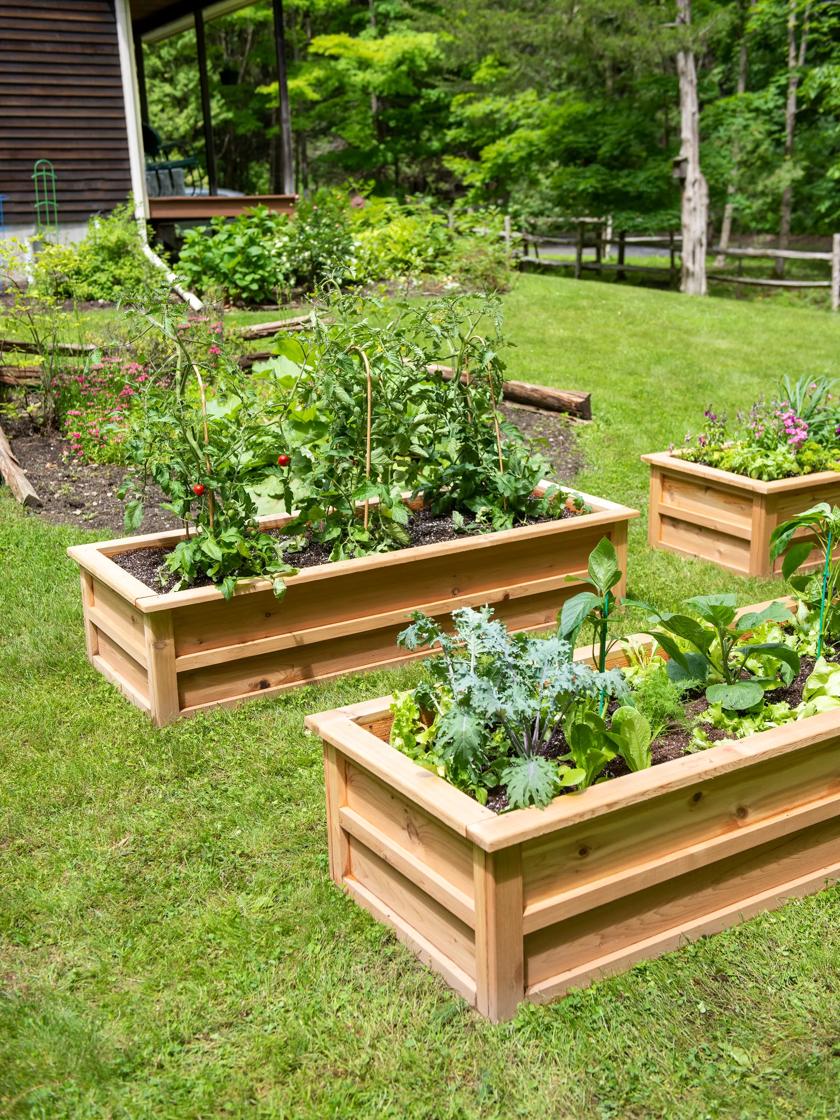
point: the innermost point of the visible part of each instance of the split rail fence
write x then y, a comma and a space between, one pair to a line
599, 239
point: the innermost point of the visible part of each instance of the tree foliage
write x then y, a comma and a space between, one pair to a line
541, 107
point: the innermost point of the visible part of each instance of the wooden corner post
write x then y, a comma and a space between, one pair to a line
499, 935
163, 676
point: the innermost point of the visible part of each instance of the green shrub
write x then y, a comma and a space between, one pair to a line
260, 256
107, 265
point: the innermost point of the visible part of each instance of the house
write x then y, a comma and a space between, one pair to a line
72, 92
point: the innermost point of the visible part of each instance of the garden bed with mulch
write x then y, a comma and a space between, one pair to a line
85, 494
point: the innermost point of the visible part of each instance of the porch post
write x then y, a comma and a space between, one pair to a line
286, 179
134, 131
209, 147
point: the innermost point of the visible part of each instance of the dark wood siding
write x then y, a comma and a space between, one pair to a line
61, 99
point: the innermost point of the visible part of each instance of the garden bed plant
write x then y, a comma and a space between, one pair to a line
530, 817
376, 465
721, 494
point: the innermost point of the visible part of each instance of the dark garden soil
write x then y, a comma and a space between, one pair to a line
424, 527
85, 494
675, 740
76, 493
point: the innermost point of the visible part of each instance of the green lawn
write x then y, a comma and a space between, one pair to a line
170, 944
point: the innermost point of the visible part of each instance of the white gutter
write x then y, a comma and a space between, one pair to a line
136, 156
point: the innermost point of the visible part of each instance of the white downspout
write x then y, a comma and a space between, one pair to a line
134, 129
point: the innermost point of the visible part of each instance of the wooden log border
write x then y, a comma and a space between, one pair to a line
182, 652
723, 517
533, 903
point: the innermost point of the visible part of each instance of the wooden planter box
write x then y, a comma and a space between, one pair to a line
531, 903
723, 517
174, 654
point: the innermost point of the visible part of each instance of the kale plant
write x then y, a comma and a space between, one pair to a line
497, 700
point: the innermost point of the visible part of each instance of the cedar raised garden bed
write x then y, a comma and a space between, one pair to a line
177, 653
723, 517
529, 904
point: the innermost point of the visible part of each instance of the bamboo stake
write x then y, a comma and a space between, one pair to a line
368, 434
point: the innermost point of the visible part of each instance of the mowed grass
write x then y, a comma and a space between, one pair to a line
170, 943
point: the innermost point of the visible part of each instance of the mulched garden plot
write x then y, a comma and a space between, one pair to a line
74, 493
84, 494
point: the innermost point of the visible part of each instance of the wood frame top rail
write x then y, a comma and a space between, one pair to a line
668, 462
96, 557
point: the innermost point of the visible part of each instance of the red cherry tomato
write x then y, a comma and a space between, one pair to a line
198, 489
283, 460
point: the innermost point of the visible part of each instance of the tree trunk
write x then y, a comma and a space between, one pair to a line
695, 195
284, 182
726, 225
796, 60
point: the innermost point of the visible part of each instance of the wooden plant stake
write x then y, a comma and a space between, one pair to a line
369, 381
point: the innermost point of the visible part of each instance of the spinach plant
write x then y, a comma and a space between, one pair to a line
497, 700
715, 650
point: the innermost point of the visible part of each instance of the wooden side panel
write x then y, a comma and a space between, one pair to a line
121, 669
692, 539
364, 648
727, 507
435, 925
123, 623
620, 842
781, 507
607, 937
399, 587
410, 830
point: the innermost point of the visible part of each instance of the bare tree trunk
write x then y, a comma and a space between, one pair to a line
285, 178
695, 195
726, 225
796, 60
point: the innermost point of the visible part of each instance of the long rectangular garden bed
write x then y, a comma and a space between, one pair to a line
177, 653
529, 904
726, 518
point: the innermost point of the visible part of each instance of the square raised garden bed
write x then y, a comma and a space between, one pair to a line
529, 904
723, 517
177, 653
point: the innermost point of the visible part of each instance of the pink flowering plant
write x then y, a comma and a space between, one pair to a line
95, 403
797, 432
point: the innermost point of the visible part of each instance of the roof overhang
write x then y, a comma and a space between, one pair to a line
154, 20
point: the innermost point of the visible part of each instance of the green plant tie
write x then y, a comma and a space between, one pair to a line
826, 566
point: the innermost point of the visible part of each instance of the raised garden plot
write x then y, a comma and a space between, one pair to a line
529, 904
177, 653
726, 518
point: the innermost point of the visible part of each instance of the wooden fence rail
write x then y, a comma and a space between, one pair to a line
590, 235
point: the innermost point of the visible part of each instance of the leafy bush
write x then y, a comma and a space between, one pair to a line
259, 256
205, 438
369, 422
107, 265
